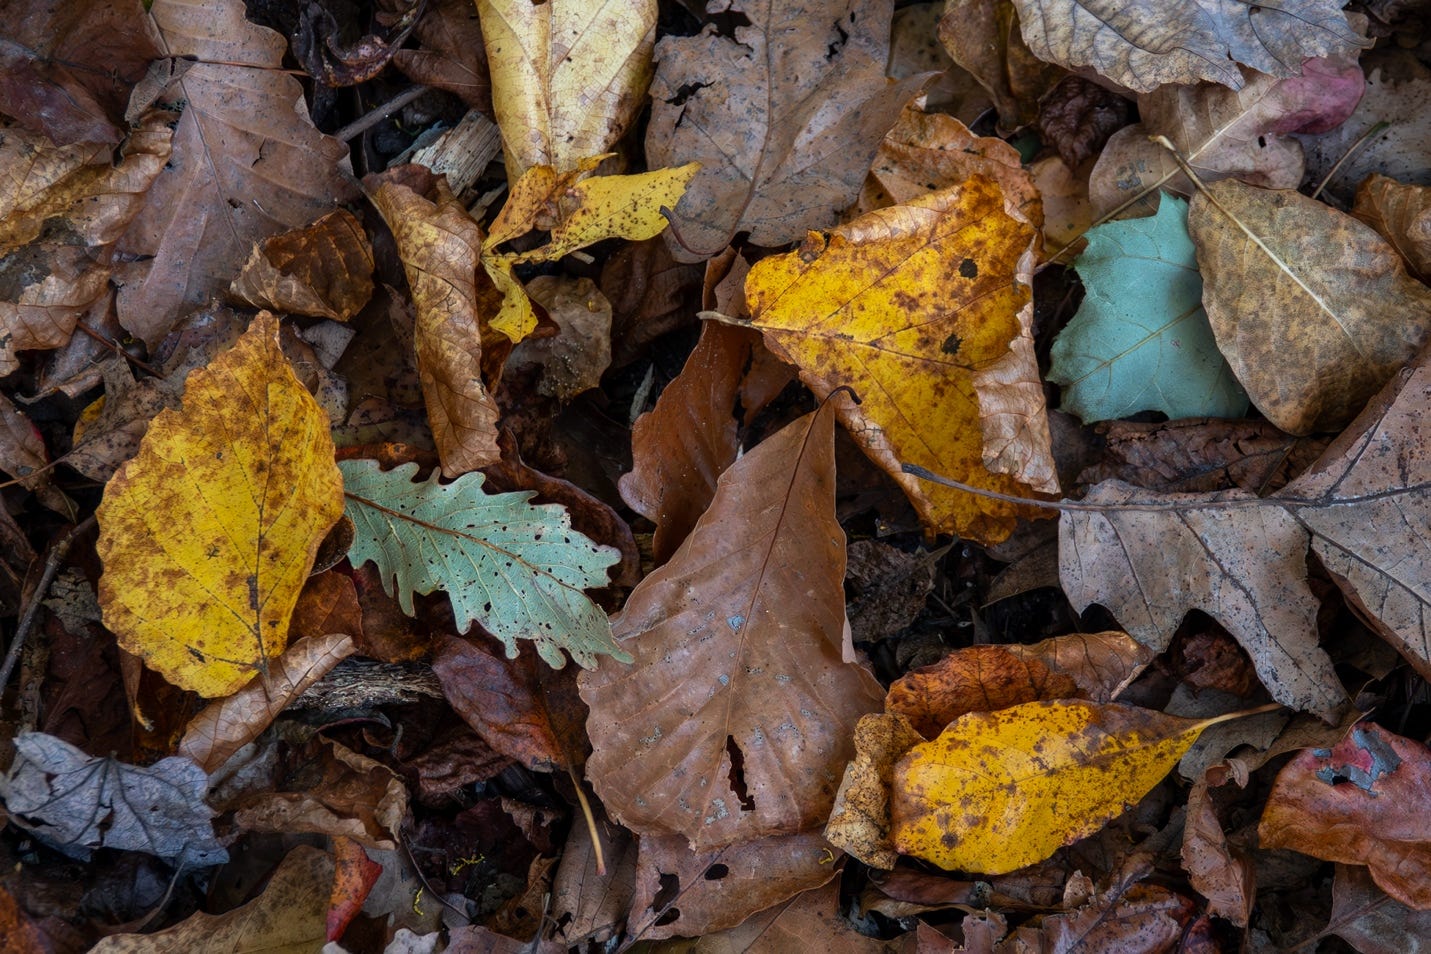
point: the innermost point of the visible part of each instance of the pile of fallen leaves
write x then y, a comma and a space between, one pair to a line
776, 477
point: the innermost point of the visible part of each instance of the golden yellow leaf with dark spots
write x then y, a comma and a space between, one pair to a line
908, 305
208, 534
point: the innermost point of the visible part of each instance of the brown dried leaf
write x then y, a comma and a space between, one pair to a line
62, 209
439, 244
1311, 308
1402, 215
741, 639
1216, 870
1370, 921
1078, 116
452, 55
227, 725
1101, 664
714, 890
983, 37
324, 270
104, 440
288, 918
859, 823
247, 163
680, 448
1364, 802
574, 359
784, 118
589, 905
650, 294
973, 679
1144, 917
811, 923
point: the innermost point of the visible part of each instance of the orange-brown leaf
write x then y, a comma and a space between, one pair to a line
324, 270
973, 679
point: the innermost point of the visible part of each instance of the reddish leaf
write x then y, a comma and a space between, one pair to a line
974, 679
353, 877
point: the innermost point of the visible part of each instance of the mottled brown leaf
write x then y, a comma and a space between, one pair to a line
324, 270
983, 37
1078, 116
973, 679
1402, 215
740, 639
859, 823
451, 54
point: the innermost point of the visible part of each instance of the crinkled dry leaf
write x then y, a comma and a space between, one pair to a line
208, 534
1215, 869
1147, 43
439, 244
1246, 567
983, 37
1145, 917
62, 209
783, 116
1313, 310
288, 918
575, 358
324, 270
1401, 214
227, 725
973, 679
859, 823
1101, 664
1364, 802
1000, 790
247, 163
719, 889
76, 803
740, 640
568, 76
908, 305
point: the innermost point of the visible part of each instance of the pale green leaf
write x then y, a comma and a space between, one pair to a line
1141, 340
517, 568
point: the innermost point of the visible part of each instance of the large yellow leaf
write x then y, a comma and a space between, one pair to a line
208, 534
1000, 790
908, 305
568, 76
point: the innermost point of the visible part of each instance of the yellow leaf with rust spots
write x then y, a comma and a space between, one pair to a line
1001, 790
577, 211
910, 306
568, 76
208, 534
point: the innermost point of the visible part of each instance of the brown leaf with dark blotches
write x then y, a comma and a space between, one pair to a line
1219, 872
1401, 213
859, 822
324, 270
741, 641
1364, 802
973, 679
439, 244
1313, 310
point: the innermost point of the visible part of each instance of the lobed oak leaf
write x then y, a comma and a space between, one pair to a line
517, 568
783, 116
439, 244
1000, 790
247, 163
1312, 309
1141, 339
1363, 802
209, 532
1145, 44
909, 306
568, 77
740, 639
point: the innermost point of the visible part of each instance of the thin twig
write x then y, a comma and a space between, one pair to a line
362, 124
32, 607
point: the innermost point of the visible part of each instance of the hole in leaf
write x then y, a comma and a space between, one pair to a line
716, 872
737, 774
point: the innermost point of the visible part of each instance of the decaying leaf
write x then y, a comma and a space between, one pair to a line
288, 918
1401, 214
783, 116
983, 37
76, 803
1313, 310
568, 77
1145, 44
1371, 921
324, 270
247, 163
1141, 340
574, 359
439, 244
741, 640
208, 534
515, 567
1364, 802
973, 679
1218, 871
859, 823
907, 305
1000, 790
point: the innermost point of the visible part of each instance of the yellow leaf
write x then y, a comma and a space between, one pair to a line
1001, 790
909, 305
208, 534
568, 76
577, 211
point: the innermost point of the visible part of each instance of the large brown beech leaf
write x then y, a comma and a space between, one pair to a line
784, 117
247, 163
735, 720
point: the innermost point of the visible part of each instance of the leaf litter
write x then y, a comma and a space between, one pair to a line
804, 714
